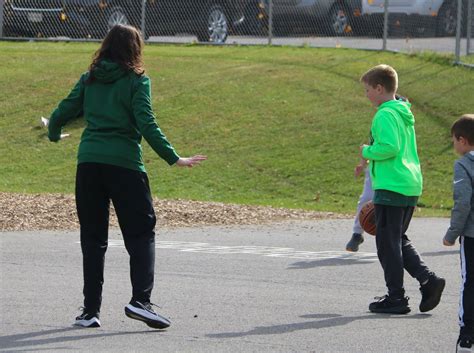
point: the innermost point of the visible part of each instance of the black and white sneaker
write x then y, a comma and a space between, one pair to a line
389, 305
87, 319
144, 312
464, 345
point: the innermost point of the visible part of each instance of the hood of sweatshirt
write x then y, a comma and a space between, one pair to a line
108, 72
402, 108
470, 155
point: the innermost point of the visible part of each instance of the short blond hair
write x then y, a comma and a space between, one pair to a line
383, 75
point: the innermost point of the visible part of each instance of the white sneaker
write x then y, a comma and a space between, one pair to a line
144, 312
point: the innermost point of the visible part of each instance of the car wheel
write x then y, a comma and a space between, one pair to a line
217, 27
446, 25
339, 24
116, 16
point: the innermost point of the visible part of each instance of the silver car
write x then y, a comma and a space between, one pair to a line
332, 17
437, 14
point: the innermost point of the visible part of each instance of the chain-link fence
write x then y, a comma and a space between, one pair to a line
399, 25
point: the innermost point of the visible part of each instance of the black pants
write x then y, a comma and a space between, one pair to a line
466, 303
96, 185
395, 251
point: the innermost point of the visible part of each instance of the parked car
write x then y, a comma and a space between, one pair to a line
439, 15
209, 20
331, 17
72, 18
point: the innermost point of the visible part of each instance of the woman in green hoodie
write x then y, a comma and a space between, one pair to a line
114, 97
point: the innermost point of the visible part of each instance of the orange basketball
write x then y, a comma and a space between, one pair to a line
367, 218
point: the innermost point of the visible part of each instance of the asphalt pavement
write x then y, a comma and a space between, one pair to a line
286, 287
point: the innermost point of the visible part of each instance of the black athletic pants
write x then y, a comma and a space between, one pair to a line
466, 303
96, 185
395, 251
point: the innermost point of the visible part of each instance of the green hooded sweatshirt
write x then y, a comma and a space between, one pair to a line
394, 162
117, 108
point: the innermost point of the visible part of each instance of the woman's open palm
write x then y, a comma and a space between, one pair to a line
190, 161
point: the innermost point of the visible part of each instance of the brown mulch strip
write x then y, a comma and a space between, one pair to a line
58, 212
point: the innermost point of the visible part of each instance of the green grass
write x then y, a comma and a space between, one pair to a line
281, 126
468, 59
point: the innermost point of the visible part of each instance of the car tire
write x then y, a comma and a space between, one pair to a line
116, 16
447, 19
446, 22
215, 27
339, 23
130, 14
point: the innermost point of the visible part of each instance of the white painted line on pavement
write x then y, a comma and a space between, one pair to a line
288, 253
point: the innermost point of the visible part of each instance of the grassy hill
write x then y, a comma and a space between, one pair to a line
281, 126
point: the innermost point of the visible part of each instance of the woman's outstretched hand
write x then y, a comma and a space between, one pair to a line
190, 161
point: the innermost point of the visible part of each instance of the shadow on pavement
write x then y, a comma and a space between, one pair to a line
350, 260
28, 339
301, 265
328, 320
441, 253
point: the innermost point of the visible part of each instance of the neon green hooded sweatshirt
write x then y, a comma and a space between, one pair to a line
117, 108
394, 163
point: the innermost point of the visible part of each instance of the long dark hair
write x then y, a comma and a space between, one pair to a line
122, 45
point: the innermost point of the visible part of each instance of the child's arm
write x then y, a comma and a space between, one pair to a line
359, 168
386, 138
447, 243
462, 193
70, 108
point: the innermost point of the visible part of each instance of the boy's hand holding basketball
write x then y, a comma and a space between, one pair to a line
190, 161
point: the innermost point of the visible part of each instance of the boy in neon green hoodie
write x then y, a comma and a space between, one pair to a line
397, 183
